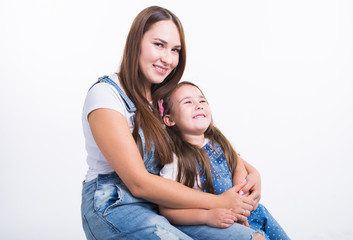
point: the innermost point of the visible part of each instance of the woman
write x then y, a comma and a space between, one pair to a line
126, 144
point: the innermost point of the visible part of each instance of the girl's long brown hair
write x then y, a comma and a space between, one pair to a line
189, 154
131, 79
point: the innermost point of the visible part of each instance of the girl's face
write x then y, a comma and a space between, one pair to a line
160, 47
190, 111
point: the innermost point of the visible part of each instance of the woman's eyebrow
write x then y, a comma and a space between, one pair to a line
165, 42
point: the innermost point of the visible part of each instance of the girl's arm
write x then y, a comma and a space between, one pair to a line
217, 217
240, 172
253, 185
113, 137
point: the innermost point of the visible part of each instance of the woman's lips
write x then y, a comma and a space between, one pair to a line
159, 69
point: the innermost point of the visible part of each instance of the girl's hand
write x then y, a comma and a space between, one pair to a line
220, 217
253, 188
241, 205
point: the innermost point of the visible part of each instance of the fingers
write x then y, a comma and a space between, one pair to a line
228, 219
246, 187
256, 196
246, 224
241, 218
239, 186
248, 203
225, 225
256, 205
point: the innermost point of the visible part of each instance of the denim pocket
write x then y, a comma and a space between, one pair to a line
107, 196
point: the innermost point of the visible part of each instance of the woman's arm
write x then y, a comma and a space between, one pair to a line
113, 137
253, 185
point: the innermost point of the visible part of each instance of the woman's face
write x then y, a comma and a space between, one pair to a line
160, 47
190, 111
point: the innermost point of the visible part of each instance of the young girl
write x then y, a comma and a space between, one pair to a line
126, 143
205, 160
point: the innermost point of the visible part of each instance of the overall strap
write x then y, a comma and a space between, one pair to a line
130, 106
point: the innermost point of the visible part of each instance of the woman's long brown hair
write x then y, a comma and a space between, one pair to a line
131, 79
189, 154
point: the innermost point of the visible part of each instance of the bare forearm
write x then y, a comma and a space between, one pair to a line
250, 168
240, 172
113, 137
172, 194
184, 216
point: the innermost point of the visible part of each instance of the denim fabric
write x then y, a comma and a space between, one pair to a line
259, 219
109, 211
236, 231
221, 176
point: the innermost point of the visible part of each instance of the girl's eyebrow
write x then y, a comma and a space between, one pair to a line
184, 98
187, 97
165, 42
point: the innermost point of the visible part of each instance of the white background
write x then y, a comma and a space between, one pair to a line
278, 76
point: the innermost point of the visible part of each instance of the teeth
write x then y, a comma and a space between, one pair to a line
160, 69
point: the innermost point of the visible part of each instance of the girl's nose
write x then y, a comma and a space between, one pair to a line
199, 106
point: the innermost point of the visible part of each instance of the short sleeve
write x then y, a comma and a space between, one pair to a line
170, 170
103, 95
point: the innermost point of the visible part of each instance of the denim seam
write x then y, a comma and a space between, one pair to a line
89, 228
109, 224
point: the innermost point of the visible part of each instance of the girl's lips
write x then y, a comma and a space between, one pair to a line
199, 115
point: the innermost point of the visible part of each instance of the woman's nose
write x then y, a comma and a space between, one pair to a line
167, 57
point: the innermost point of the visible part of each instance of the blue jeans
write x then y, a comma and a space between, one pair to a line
106, 215
261, 219
236, 231
109, 211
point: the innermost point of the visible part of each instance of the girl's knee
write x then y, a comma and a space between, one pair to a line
258, 236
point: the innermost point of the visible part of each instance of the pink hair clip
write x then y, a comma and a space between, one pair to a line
160, 105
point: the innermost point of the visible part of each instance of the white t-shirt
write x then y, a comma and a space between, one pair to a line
101, 95
170, 170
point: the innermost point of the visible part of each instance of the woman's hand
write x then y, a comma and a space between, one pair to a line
241, 205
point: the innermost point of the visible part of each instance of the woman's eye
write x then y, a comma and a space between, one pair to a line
158, 44
176, 50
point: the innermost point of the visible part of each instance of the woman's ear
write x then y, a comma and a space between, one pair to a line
167, 119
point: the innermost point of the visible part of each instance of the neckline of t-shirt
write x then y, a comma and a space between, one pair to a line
207, 140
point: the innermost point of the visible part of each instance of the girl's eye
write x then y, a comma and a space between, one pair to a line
203, 101
187, 102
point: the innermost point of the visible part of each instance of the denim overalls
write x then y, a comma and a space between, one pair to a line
109, 211
259, 219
